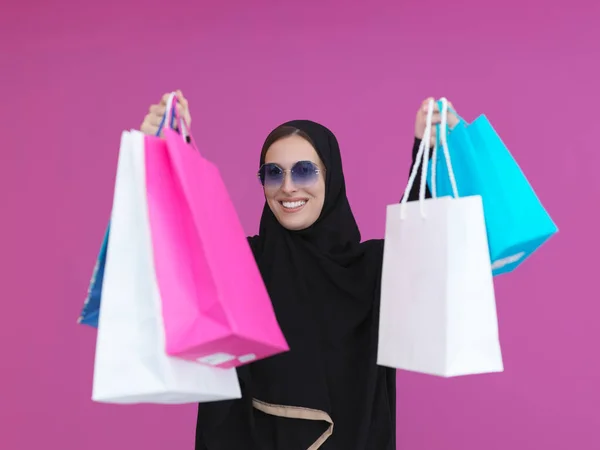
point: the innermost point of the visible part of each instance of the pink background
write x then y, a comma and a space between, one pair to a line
73, 79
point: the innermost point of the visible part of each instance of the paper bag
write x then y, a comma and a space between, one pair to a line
131, 364
516, 221
216, 307
438, 310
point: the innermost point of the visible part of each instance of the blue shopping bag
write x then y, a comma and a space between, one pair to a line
517, 223
91, 305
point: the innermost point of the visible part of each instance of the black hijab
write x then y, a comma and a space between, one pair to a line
324, 285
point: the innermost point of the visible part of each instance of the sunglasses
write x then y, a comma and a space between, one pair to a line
303, 173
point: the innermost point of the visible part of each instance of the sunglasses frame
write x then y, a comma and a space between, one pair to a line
318, 170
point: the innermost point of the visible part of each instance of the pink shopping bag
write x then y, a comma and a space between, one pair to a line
215, 305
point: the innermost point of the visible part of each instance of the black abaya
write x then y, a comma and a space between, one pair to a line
325, 287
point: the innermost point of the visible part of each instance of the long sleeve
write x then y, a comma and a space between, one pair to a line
227, 424
414, 191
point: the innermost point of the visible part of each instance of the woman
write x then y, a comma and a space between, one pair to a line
327, 392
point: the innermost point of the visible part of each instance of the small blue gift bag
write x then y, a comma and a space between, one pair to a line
517, 223
91, 306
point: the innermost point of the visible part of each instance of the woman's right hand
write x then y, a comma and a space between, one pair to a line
421, 120
156, 112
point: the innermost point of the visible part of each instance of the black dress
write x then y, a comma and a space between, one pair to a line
327, 392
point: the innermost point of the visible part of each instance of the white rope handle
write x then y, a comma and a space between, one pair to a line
444, 141
433, 169
422, 155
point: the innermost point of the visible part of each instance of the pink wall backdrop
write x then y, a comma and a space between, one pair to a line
73, 75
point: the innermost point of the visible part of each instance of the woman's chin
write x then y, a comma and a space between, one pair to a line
293, 224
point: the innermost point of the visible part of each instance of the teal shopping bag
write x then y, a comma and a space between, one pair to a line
517, 223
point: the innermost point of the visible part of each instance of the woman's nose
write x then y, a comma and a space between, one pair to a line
288, 184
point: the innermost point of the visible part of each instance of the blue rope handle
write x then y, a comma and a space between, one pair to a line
162, 122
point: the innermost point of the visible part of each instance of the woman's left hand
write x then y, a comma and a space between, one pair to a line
156, 112
421, 119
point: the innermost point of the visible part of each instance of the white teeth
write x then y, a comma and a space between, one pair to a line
292, 205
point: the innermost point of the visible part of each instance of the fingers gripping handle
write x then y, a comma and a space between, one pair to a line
172, 116
423, 158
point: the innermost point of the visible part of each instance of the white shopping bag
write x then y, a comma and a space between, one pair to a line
438, 307
131, 365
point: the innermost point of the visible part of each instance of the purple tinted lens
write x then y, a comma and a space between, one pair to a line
304, 173
270, 175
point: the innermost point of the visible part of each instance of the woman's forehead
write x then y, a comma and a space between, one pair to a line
290, 150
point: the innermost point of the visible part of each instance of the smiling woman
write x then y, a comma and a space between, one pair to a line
292, 175
327, 392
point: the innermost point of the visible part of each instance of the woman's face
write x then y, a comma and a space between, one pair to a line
297, 199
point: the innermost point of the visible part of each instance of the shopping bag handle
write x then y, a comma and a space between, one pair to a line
422, 155
173, 117
422, 158
443, 136
167, 114
442, 129
164, 119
